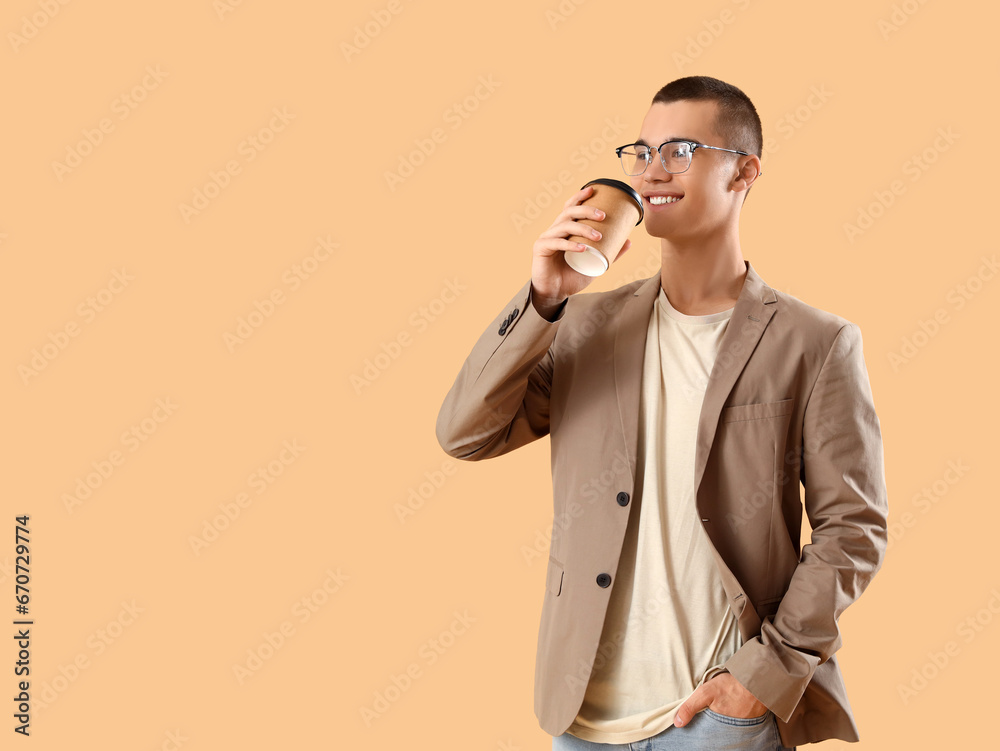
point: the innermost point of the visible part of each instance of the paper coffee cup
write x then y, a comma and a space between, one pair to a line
622, 207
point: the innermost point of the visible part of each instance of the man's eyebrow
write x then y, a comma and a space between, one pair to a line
671, 138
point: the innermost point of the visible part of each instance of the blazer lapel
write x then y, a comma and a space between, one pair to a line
750, 317
630, 348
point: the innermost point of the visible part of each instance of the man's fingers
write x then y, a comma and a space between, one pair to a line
576, 196
695, 702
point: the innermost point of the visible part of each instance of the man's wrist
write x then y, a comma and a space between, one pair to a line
548, 309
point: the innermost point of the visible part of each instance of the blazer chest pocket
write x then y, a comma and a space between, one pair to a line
761, 411
748, 477
554, 577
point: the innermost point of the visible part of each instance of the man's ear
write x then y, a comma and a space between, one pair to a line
748, 173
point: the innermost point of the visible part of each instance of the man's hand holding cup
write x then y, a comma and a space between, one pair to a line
575, 230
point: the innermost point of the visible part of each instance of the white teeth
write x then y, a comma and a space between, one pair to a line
659, 200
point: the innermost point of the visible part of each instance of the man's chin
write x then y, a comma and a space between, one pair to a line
662, 233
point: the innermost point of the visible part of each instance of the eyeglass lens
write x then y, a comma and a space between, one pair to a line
676, 156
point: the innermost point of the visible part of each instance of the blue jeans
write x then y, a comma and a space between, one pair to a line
707, 731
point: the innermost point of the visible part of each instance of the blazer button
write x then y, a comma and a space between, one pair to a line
623, 499
503, 329
603, 580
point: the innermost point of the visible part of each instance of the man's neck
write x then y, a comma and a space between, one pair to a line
702, 280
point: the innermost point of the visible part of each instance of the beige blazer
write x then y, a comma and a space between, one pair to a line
788, 401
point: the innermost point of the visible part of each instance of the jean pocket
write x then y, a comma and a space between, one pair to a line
737, 721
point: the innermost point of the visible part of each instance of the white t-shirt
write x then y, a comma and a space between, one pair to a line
668, 621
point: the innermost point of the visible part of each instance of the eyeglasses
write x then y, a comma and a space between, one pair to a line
635, 157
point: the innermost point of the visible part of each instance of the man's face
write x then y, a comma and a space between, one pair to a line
708, 200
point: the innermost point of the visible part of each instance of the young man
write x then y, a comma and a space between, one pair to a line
684, 410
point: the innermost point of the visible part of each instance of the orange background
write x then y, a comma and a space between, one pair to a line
314, 596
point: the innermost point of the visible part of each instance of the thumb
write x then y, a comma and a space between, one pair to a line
694, 703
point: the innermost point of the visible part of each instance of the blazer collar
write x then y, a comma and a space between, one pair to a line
751, 314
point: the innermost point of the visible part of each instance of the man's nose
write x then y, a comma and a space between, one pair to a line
655, 170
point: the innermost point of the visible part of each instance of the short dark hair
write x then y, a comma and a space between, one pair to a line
736, 120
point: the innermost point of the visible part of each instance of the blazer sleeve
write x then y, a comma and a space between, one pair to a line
500, 398
847, 505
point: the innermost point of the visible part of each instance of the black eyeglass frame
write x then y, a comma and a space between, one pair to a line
694, 147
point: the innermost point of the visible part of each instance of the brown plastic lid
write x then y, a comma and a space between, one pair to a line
623, 186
